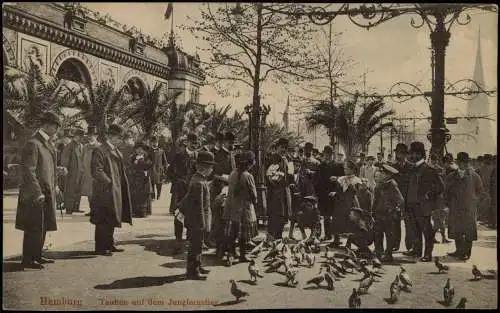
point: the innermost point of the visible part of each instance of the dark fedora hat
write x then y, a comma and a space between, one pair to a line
192, 137
401, 147
51, 118
230, 136
463, 157
417, 147
115, 130
448, 158
205, 157
142, 145
328, 149
246, 157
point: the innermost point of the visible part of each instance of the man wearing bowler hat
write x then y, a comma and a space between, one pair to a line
424, 187
72, 160
403, 166
111, 204
36, 207
463, 191
180, 172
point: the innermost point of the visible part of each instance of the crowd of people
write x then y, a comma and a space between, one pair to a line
214, 195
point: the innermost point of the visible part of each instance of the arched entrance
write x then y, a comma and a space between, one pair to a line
74, 70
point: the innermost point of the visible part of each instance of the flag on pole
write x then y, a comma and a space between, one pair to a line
170, 9
285, 114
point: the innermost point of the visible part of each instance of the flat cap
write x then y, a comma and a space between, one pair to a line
51, 118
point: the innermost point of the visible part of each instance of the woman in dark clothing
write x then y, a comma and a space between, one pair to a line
140, 183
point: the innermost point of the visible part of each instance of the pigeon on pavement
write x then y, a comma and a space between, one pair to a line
448, 292
354, 299
236, 291
440, 266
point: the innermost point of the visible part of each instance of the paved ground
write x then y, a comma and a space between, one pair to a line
147, 276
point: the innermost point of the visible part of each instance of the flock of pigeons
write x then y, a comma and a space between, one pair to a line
336, 264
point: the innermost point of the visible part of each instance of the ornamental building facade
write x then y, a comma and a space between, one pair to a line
77, 44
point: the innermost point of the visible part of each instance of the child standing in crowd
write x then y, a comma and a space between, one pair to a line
386, 210
239, 211
195, 211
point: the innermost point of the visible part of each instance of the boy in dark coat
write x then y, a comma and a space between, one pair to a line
308, 217
386, 211
195, 211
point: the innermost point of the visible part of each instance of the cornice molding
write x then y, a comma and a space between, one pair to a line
26, 23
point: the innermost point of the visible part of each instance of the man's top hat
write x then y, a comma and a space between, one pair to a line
401, 147
115, 130
192, 137
51, 118
91, 130
219, 136
205, 157
463, 157
230, 136
417, 147
282, 142
308, 145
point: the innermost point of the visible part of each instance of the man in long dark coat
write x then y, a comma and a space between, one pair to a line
324, 186
424, 187
36, 207
72, 160
180, 172
160, 165
403, 166
111, 203
464, 189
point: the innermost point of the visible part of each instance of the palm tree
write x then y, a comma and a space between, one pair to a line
151, 111
27, 95
324, 114
352, 133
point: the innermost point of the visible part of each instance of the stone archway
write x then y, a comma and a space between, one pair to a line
136, 87
74, 70
9, 57
72, 60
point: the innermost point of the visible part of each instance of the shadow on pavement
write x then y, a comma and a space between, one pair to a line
232, 302
141, 282
9, 267
389, 301
70, 255
437, 273
181, 263
162, 247
443, 303
283, 284
150, 236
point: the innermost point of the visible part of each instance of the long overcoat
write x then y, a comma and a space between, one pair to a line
87, 174
429, 187
344, 201
159, 165
463, 195
110, 203
72, 159
279, 199
38, 168
196, 204
239, 207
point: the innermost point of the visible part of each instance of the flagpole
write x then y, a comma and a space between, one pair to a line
172, 21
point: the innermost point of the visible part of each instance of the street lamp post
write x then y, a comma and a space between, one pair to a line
436, 16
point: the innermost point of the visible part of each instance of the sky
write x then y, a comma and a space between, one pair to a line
391, 52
